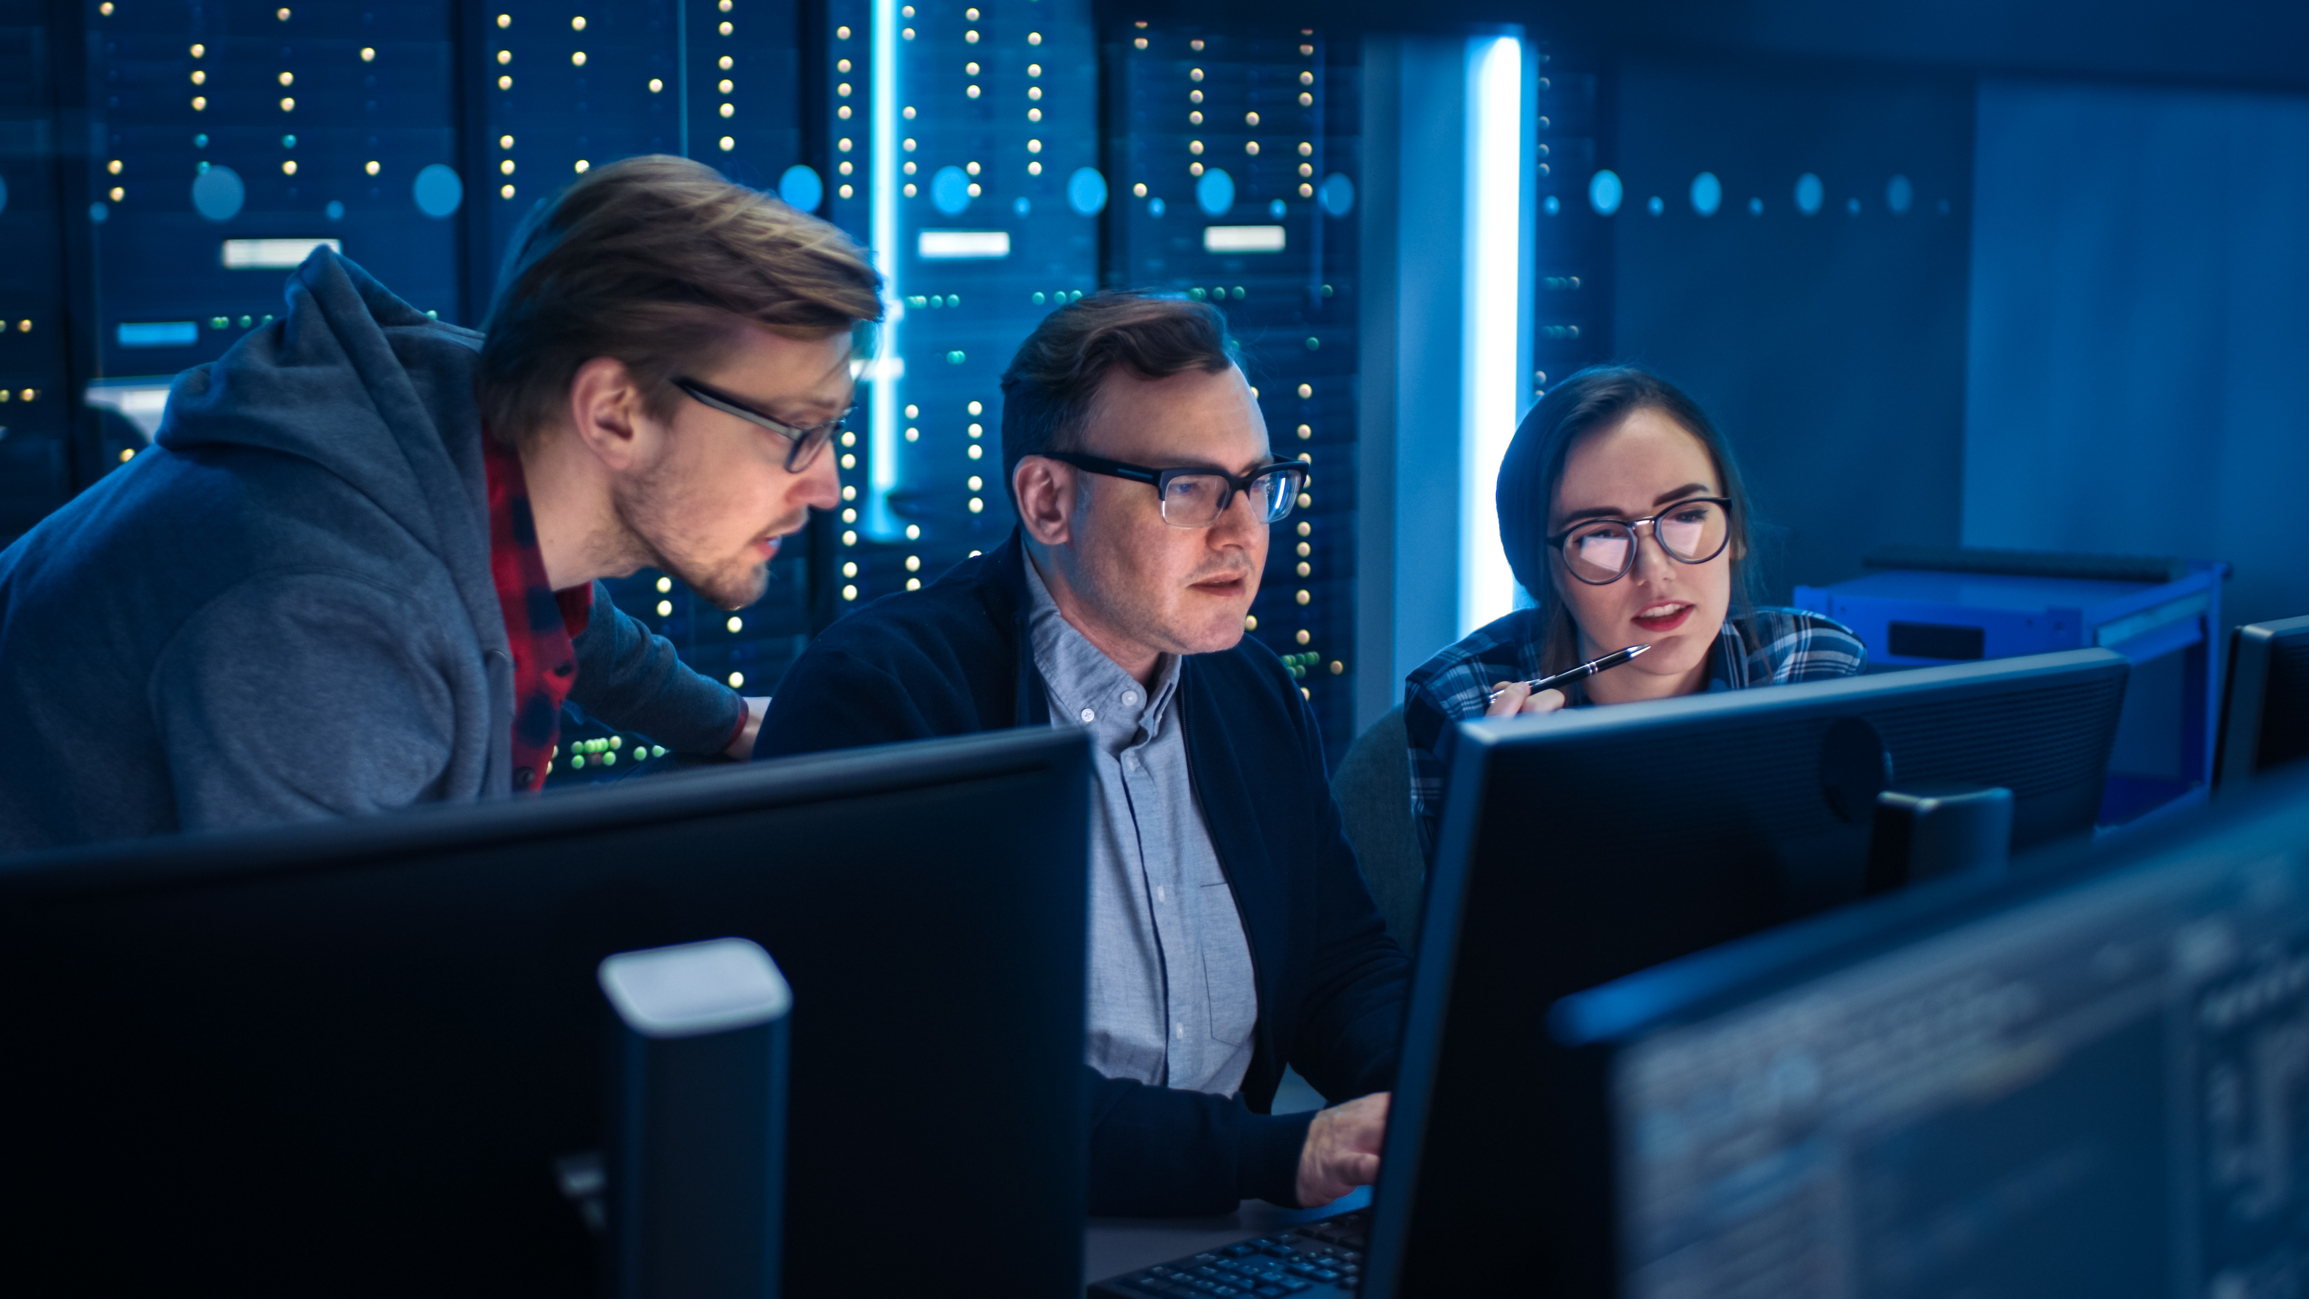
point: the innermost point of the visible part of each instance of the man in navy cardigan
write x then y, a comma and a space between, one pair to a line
1231, 932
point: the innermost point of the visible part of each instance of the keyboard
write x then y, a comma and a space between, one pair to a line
1316, 1260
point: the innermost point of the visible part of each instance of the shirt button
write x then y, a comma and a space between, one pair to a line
1180, 1028
1089, 716
1130, 696
524, 777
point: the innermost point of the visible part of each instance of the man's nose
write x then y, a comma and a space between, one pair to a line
1243, 519
821, 481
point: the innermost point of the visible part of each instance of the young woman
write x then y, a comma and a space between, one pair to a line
1623, 515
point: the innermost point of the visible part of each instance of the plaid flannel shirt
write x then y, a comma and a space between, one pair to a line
1776, 647
539, 621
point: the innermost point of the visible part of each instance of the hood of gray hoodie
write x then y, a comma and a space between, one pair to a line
402, 422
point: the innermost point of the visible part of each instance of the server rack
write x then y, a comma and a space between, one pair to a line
1235, 154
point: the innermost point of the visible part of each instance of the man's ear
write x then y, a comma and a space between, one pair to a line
1045, 491
605, 412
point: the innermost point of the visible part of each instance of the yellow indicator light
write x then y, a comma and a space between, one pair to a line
577, 24
288, 78
288, 105
505, 20
368, 54
577, 59
289, 168
505, 191
583, 166
199, 78
664, 584
728, 143
199, 103
504, 56
735, 624
665, 608
656, 86
113, 166
505, 83
737, 679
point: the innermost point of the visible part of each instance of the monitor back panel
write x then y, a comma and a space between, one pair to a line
1603, 846
351, 1072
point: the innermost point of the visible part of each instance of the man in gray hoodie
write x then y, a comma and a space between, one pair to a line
357, 568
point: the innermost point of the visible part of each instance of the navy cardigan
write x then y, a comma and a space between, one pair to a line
955, 658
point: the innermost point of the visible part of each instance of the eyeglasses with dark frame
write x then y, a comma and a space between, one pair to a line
1197, 498
1600, 552
805, 443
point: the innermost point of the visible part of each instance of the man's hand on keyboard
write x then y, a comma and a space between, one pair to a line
1342, 1150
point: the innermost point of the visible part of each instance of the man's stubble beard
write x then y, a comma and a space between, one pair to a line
646, 515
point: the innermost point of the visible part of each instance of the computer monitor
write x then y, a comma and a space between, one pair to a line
1579, 848
2090, 1081
2265, 702
346, 1058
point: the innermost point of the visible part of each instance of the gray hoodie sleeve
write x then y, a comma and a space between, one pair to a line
299, 696
631, 678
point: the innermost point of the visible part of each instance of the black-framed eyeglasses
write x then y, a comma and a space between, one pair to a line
1195, 498
803, 443
1600, 552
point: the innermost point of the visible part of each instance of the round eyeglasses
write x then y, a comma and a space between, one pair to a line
1600, 552
1195, 498
803, 444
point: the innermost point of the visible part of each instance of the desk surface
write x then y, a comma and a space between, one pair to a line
1111, 1246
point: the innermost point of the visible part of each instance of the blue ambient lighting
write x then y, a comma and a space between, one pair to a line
1604, 192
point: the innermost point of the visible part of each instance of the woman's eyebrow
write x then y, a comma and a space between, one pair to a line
1606, 512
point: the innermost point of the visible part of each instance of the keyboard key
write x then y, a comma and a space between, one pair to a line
1243, 1250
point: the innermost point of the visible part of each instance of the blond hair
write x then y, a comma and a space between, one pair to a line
655, 261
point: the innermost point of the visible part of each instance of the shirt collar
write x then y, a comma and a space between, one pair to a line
1080, 675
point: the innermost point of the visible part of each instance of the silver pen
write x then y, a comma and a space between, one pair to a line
1588, 669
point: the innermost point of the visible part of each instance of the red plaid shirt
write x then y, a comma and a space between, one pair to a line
539, 621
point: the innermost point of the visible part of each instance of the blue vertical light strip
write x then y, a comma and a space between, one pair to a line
1492, 326
887, 375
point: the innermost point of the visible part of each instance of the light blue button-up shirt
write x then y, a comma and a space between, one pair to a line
1172, 1001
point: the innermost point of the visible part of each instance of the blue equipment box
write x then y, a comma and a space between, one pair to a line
1929, 605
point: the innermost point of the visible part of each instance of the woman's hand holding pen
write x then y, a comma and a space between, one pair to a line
1515, 697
